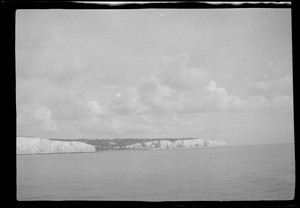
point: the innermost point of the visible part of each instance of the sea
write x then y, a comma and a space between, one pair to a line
231, 173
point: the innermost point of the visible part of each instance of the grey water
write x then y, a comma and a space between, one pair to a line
263, 172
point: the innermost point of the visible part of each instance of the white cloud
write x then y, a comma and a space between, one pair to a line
176, 73
223, 99
44, 118
161, 91
127, 102
88, 82
96, 110
282, 85
218, 96
159, 97
281, 103
163, 99
277, 103
184, 89
180, 59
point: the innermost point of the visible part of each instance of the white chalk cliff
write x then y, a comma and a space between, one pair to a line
176, 144
34, 145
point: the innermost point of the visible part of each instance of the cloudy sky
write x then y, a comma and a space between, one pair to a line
220, 74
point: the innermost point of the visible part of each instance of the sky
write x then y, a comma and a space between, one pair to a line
218, 74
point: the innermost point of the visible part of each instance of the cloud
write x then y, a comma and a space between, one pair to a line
42, 115
176, 73
76, 79
205, 96
218, 96
180, 59
225, 100
127, 102
193, 90
180, 88
160, 98
282, 85
95, 109
276, 103
120, 125
281, 104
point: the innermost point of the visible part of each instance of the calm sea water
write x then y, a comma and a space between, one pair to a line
265, 172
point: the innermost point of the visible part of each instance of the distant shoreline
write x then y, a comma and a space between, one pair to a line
171, 149
39, 146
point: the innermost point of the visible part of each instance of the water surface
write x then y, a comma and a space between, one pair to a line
265, 172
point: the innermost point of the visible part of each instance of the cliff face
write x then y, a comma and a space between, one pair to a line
176, 144
27, 145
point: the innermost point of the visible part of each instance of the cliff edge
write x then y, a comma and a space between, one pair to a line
28, 145
35, 145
